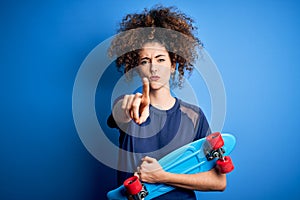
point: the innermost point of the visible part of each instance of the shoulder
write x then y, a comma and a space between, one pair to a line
189, 108
192, 112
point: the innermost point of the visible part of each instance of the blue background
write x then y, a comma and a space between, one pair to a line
255, 45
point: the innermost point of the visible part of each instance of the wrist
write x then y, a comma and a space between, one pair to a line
164, 177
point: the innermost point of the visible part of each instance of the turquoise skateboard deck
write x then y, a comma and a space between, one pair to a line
191, 158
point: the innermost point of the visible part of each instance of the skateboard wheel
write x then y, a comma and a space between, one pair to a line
215, 140
133, 185
225, 165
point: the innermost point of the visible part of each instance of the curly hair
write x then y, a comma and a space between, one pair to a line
166, 25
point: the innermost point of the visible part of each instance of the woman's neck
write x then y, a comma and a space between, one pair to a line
162, 100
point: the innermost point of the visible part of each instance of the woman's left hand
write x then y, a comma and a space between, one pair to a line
150, 171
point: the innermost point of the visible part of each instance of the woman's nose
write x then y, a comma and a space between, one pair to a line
153, 67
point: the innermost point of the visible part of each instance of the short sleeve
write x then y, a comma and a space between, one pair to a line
111, 122
203, 128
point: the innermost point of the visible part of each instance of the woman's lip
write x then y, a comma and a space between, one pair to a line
154, 78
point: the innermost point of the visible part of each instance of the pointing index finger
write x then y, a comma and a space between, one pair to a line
146, 87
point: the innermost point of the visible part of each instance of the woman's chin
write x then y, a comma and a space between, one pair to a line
157, 85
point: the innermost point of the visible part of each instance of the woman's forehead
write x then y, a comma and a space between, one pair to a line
152, 47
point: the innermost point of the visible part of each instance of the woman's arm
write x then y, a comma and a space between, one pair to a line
205, 181
150, 171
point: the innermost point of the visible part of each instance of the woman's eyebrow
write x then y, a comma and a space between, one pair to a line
145, 58
159, 55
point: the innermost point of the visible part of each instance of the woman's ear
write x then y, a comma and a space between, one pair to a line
173, 68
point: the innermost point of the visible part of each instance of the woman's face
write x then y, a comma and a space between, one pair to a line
155, 64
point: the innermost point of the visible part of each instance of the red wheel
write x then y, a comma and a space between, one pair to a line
215, 140
225, 165
133, 185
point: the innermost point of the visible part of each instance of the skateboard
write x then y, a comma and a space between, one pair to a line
198, 156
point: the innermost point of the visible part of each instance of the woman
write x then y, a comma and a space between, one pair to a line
154, 123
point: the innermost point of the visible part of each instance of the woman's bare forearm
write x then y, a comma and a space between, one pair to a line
205, 181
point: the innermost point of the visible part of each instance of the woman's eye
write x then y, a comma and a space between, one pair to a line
144, 62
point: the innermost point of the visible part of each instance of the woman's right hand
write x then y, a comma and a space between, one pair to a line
136, 106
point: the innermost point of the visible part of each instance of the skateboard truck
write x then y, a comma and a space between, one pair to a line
214, 150
135, 189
